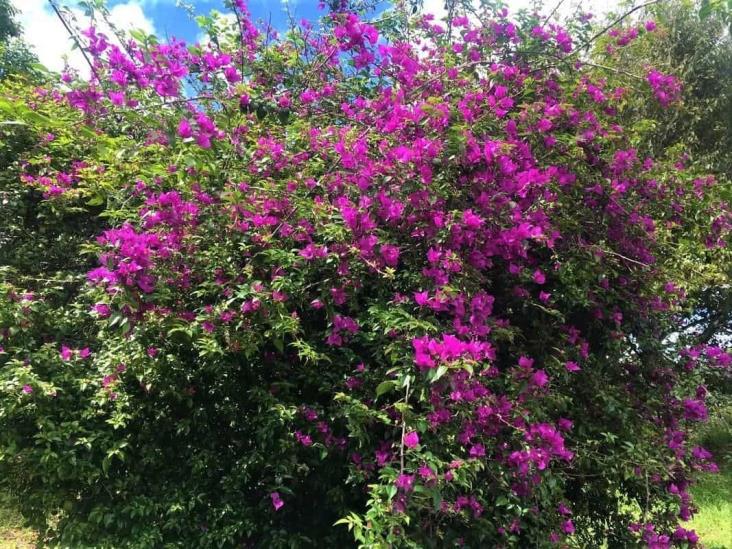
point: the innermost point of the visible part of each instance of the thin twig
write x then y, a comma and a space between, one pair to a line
548, 17
613, 69
404, 431
107, 17
621, 256
240, 28
611, 25
75, 38
648, 497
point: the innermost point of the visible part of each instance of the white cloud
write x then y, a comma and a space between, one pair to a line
46, 35
50, 40
131, 16
435, 7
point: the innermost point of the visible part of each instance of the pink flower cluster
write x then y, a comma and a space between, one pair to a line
429, 352
666, 87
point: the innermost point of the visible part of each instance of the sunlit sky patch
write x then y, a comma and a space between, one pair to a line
44, 32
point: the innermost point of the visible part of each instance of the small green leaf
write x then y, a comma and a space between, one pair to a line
384, 387
441, 371
96, 200
279, 345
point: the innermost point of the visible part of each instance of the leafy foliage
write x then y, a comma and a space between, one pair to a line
418, 283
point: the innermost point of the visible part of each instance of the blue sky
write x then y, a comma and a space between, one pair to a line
170, 20
44, 32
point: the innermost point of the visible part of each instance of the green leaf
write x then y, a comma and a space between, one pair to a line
138, 35
441, 371
436, 500
384, 387
706, 10
279, 344
96, 200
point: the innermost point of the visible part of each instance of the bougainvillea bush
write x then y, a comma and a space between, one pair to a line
383, 281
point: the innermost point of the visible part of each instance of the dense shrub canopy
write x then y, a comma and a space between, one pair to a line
415, 278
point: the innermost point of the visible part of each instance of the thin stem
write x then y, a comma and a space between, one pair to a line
611, 25
648, 497
404, 431
613, 69
621, 256
548, 17
74, 37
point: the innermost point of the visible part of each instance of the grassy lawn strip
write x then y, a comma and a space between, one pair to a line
713, 522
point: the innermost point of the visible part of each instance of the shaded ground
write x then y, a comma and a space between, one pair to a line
12, 534
713, 522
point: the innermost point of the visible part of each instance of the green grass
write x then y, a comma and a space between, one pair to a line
713, 522
713, 494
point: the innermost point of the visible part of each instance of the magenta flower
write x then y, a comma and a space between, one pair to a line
27, 389
382, 457
426, 472
203, 140
277, 502
109, 380
305, 440
184, 129
666, 87
390, 254
539, 277
421, 298
565, 424
695, 410
411, 439
572, 366
117, 98
279, 296
404, 482
66, 353
477, 451
525, 362
540, 379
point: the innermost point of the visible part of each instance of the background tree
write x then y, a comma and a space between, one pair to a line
692, 40
15, 56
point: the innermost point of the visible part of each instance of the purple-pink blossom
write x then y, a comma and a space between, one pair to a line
411, 439
277, 502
